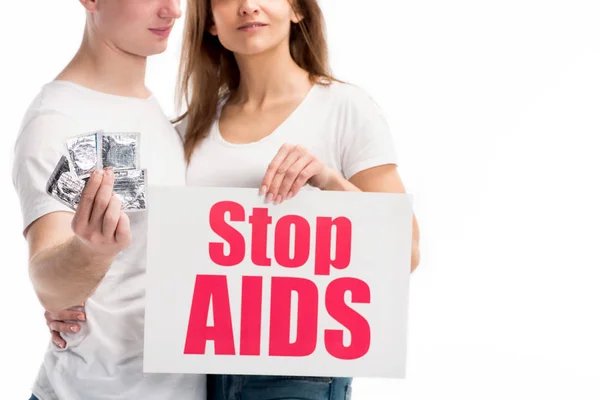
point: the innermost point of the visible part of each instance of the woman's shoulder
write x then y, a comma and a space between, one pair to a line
348, 93
183, 123
350, 98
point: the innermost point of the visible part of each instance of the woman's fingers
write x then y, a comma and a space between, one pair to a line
65, 315
283, 173
58, 340
307, 172
273, 168
63, 327
291, 168
295, 177
62, 322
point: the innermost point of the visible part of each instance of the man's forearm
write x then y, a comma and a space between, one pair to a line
67, 274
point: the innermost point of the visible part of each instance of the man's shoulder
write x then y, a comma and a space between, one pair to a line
57, 96
51, 102
46, 120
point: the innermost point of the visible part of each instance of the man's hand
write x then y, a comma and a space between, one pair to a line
70, 254
99, 224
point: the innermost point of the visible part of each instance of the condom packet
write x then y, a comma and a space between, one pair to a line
120, 151
83, 153
64, 185
130, 186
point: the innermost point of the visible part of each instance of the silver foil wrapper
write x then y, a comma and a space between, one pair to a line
83, 152
131, 186
64, 186
120, 151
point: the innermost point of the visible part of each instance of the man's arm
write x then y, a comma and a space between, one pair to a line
70, 254
63, 272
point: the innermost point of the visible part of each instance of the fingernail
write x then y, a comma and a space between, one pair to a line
58, 345
289, 196
269, 197
74, 328
278, 199
263, 190
81, 317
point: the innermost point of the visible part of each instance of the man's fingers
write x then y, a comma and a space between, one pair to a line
273, 167
102, 199
63, 327
86, 202
123, 233
111, 217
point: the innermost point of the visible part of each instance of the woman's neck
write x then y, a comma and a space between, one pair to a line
101, 66
268, 77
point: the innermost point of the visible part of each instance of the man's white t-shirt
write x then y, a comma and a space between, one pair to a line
104, 360
340, 124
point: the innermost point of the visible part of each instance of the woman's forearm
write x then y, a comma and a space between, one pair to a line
337, 182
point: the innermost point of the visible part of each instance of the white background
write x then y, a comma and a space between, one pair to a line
495, 109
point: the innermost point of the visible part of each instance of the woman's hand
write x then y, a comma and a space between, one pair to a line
292, 167
63, 322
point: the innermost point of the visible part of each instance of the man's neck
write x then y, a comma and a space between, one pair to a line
102, 67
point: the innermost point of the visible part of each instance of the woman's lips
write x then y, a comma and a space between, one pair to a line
253, 27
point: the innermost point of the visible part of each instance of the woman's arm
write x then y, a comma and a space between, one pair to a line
384, 178
294, 166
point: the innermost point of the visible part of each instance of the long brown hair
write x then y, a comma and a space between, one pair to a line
208, 71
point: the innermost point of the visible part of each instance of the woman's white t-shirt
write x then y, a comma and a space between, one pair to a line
339, 123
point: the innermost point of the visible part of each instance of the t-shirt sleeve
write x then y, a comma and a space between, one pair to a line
38, 149
368, 142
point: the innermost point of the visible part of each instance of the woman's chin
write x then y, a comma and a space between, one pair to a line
252, 49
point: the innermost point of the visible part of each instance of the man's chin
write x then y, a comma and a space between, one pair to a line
155, 50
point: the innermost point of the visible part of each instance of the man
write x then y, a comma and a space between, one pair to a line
97, 254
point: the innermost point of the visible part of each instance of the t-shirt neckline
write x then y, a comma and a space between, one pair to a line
293, 115
111, 96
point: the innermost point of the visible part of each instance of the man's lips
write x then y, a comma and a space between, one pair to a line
163, 31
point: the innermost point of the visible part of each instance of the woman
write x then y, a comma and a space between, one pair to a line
264, 112
259, 97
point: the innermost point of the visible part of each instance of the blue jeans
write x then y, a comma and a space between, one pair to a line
261, 387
